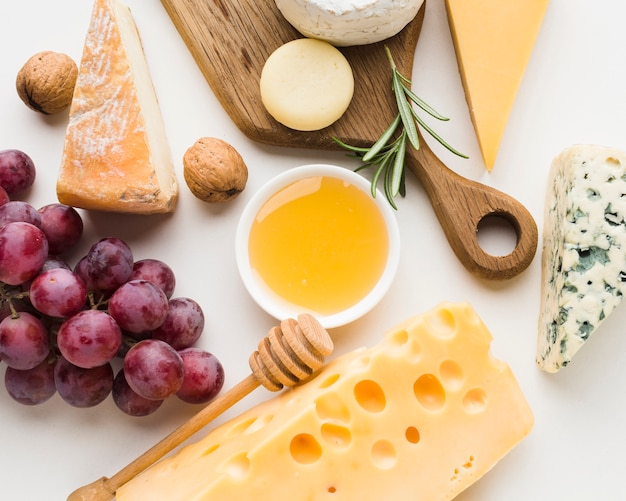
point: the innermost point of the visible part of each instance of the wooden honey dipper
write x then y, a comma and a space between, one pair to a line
288, 355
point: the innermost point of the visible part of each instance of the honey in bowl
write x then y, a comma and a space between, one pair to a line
320, 243
313, 239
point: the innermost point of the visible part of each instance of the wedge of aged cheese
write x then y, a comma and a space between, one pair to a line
420, 416
493, 40
116, 156
349, 22
584, 250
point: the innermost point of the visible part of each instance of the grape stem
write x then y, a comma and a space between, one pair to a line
9, 294
97, 304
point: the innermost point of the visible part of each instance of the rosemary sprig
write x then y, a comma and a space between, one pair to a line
388, 153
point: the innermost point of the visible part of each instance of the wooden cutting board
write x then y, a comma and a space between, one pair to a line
230, 41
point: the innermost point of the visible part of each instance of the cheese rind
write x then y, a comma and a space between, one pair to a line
423, 415
349, 22
584, 250
116, 155
493, 41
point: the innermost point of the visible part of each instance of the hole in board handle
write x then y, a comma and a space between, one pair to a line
497, 236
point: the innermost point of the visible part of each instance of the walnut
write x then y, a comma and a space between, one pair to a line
46, 82
214, 171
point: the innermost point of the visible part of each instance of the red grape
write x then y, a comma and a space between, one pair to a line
58, 293
89, 338
62, 226
183, 325
154, 369
61, 327
80, 268
17, 210
53, 262
204, 376
31, 386
138, 306
109, 263
24, 341
17, 171
23, 251
129, 401
157, 272
82, 387
4, 196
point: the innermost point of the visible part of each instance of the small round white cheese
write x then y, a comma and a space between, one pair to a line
306, 84
349, 22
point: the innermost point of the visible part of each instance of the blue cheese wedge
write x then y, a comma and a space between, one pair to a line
584, 250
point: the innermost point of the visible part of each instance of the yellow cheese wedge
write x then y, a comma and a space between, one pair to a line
116, 156
421, 416
493, 40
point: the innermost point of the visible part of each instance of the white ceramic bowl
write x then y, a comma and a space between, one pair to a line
271, 302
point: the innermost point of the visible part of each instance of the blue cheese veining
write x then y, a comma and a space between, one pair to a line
584, 250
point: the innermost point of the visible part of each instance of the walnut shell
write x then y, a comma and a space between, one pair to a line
214, 170
46, 82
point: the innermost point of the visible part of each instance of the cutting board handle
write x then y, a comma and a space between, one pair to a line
461, 204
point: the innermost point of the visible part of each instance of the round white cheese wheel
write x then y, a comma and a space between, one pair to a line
349, 22
306, 84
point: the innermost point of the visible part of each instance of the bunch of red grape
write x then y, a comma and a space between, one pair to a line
64, 329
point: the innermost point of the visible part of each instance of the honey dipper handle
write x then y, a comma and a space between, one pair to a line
461, 204
104, 489
289, 354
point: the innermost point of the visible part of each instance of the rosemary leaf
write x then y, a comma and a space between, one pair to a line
388, 188
403, 184
382, 140
377, 174
423, 105
355, 149
436, 136
398, 167
365, 166
392, 63
404, 109
404, 79
388, 155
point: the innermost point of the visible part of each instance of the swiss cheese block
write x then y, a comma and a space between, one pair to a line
421, 416
493, 40
306, 84
584, 250
116, 156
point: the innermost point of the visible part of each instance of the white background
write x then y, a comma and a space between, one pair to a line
573, 92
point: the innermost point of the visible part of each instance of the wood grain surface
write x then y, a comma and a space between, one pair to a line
230, 41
